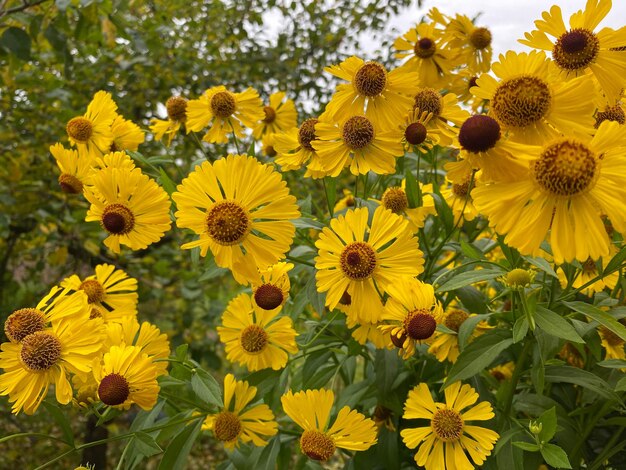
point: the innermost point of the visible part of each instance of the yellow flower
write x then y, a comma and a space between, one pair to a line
111, 293
358, 142
255, 337
383, 96
503, 372
294, 149
280, 116
75, 168
442, 443
269, 141
126, 376
237, 422
580, 50
346, 202
132, 208
177, 115
245, 226
611, 111
411, 314
116, 160
612, 344
457, 193
311, 411
531, 102
419, 136
445, 346
91, 133
126, 135
364, 261
473, 42
444, 111
570, 185
48, 356
224, 112
590, 272
270, 289
395, 199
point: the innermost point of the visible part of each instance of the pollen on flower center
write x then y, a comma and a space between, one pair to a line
565, 168
93, 289
480, 38
424, 48
40, 351
223, 104
447, 425
358, 260
95, 312
589, 266
358, 132
227, 223
306, 134
80, 129
521, 101
23, 322
429, 100
176, 108
113, 389
395, 200
415, 133
576, 49
254, 339
479, 133
461, 189
419, 324
270, 114
611, 113
117, 219
70, 184
316, 445
268, 296
371, 79
455, 319
227, 426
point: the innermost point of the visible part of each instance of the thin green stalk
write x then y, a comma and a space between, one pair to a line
326, 325
517, 372
300, 260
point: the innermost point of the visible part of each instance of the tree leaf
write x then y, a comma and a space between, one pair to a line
555, 325
17, 41
555, 456
206, 388
600, 316
177, 451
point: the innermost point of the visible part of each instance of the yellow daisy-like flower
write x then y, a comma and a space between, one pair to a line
446, 115
311, 411
531, 102
280, 116
428, 54
570, 185
503, 372
75, 168
395, 199
442, 444
357, 142
255, 337
457, 193
473, 42
91, 133
241, 209
589, 272
294, 149
367, 332
269, 145
419, 136
612, 344
615, 112
411, 314
177, 115
126, 135
132, 208
126, 376
47, 357
238, 422
270, 289
116, 160
383, 96
111, 293
363, 260
346, 202
224, 112
445, 346
580, 50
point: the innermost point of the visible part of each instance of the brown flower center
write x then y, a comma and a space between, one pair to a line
462, 189
371, 79
80, 129
358, 261
268, 296
70, 184
611, 338
270, 151
117, 219
96, 312
228, 223
176, 108
227, 426
254, 339
521, 101
306, 134
611, 113
346, 299
565, 168
480, 38
424, 48
23, 322
576, 49
395, 200
223, 104
447, 425
419, 324
270, 114
429, 100
40, 351
93, 289
455, 319
479, 133
358, 132
316, 445
113, 389
415, 133
398, 340
589, 266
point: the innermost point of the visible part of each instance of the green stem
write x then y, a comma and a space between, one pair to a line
31, 434
300, 260
326, 325
517, 372
524, 304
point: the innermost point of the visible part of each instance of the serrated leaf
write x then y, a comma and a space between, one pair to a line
548, 425
177, 451
529, 446
555, 456
600, 316
469, 277
555, 325
206, 388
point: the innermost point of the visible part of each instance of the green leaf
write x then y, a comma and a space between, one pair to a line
555, 325
167, 183
61, 420
542, 264
146, 445
612, 364
467, 328
413, 193
530, 447
330, 187
520, 329
573, 375
317, 299
17, 41
600, 316
471, 251
616, 262
267, 460
469, 277
478, 355
548, 425
206, 388
621, 385
555, 456
177, 451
